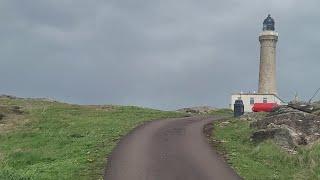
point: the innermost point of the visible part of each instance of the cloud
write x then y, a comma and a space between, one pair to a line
160, 54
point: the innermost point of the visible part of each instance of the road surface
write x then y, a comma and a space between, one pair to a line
172, 149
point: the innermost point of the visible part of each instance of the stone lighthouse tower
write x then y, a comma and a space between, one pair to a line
267, 92
267, 74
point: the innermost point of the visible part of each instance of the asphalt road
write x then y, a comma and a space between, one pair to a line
172, 149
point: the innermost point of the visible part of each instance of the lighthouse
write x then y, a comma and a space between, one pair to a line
267, 88
268, 41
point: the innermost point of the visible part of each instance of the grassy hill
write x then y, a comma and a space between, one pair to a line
41, 139
264, 160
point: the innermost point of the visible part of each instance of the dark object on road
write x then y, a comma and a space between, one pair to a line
264, 107
238, 108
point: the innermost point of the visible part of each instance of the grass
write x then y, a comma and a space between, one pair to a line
53, 140
221, 112
265, 160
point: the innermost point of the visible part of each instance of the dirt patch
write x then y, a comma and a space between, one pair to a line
11, 122
101, 107
11, 117
1, 116
107, 108
11, 110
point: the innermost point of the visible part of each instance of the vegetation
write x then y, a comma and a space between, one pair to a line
264, 160
222, 112
40, 139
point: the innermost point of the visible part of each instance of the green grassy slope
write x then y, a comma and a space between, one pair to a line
222, 112
52, 140
265, 160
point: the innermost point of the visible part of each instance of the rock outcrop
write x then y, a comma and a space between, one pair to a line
313, 108
197, 110
287, 125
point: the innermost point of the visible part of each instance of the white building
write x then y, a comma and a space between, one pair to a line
250, 98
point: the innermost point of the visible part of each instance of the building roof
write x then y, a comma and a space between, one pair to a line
248, 94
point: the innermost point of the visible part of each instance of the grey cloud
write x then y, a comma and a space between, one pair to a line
161, 54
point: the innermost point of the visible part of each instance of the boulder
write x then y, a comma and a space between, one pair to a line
288, 127
11, 110
316, 108
283, 136
253, 116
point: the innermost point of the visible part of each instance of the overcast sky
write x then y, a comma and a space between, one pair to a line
162, 54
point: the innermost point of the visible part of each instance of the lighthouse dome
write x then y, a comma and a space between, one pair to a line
268, 24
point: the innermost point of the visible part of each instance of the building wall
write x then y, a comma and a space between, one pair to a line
258, 98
